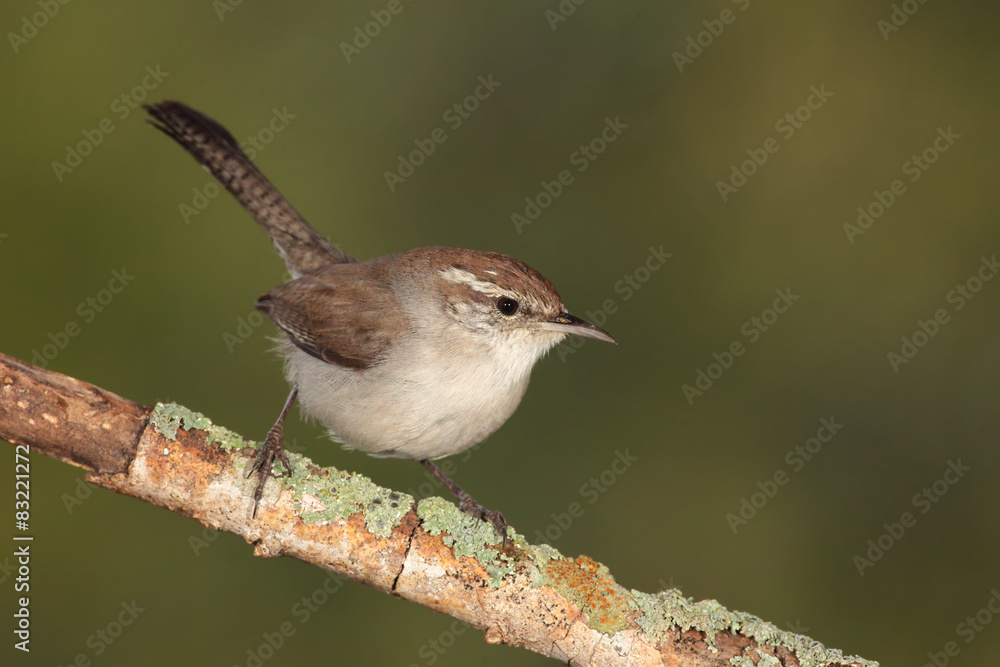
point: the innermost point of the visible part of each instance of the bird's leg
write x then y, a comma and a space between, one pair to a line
467, 503
271, 449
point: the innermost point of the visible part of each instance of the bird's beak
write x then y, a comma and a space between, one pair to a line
571, 324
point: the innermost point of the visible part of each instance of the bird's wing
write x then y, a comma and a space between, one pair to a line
342, 314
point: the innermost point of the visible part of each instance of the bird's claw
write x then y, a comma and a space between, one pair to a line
270, 449
493, 517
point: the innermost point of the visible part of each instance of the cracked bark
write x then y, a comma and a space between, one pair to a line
112, 438
409, 545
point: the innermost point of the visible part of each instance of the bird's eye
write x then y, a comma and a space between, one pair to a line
506, 305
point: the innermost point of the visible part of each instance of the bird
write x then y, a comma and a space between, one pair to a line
419, 354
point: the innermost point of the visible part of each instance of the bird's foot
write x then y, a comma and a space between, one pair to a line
270, 449
493, 517
469, 506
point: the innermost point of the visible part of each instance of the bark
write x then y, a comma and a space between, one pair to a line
570, 609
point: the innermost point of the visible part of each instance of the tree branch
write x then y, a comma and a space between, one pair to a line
427, 552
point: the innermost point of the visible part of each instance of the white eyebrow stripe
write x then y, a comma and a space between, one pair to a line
462, 277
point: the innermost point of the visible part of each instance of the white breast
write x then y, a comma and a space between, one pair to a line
423, 401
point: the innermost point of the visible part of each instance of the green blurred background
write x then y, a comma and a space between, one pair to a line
663, 522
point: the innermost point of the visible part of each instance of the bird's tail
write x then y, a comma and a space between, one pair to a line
301, 246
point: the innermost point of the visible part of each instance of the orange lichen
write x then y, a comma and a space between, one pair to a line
588, 585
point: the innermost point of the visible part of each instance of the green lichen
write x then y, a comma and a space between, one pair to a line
541, 554
325, 495
322, 495
468, 536
670, 609
168, 417
765, 660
